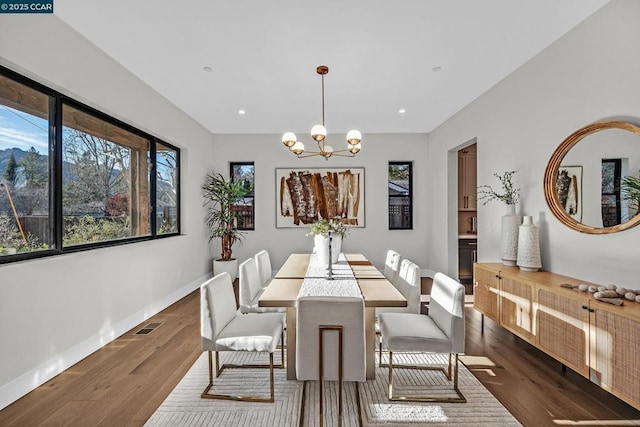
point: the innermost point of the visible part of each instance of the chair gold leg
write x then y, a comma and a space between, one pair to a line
321, 330
447, 373
321, 373
205, 394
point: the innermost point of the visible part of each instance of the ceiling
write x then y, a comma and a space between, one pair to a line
382, 56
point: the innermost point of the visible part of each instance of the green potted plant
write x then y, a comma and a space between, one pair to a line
220, 195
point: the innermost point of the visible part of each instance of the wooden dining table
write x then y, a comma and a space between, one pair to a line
376, 290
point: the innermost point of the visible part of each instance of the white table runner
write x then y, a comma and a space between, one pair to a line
344, 283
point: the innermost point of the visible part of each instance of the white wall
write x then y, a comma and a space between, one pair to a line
55, 311
590, 74
374, 239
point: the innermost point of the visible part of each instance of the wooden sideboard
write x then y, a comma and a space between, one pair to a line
600, 341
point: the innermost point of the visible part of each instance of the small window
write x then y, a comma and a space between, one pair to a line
611, 206
400, 196
245, 172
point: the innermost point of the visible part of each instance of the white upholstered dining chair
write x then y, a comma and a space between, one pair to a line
263, 262
251, 289
222, 328
408, 284
330, 342
392, 265
442, 331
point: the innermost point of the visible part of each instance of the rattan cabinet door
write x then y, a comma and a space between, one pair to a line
615, 353
485, 290
563, 329
516, 302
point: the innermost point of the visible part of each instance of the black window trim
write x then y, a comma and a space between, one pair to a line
56, 101
410, 164
253, 195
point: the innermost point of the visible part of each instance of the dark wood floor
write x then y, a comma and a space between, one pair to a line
123, 383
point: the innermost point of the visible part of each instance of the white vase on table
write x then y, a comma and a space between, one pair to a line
321, 248
509, 227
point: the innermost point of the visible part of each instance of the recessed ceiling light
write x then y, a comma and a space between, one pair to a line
436, 69
207, 69
242, 112
402, 111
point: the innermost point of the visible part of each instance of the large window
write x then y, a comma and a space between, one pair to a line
245, 172
400, 196
74, 178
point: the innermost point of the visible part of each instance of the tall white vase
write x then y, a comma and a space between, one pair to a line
321, 248
528, 246
509, 236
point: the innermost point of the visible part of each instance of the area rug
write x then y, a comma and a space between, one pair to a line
365, 404
185, 407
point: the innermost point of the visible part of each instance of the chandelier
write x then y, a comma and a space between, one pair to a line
319, 134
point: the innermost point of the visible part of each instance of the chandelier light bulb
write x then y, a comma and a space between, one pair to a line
297, 148
327, 151
354, 137
289, 139
318, 132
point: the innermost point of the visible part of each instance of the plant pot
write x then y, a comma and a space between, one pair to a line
230, 267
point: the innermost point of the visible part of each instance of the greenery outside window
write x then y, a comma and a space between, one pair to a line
400, 189
74, 178
245, 172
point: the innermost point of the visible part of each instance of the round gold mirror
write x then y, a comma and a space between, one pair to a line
592, 181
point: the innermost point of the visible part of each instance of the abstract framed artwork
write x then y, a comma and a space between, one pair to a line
305, 195
569, 186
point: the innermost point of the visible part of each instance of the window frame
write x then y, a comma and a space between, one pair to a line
410, 196
55, 159
252, 195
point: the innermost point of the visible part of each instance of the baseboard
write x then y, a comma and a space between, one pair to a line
22, 385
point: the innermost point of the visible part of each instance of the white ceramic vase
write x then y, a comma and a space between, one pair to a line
528, 246
509, 236
321, 248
